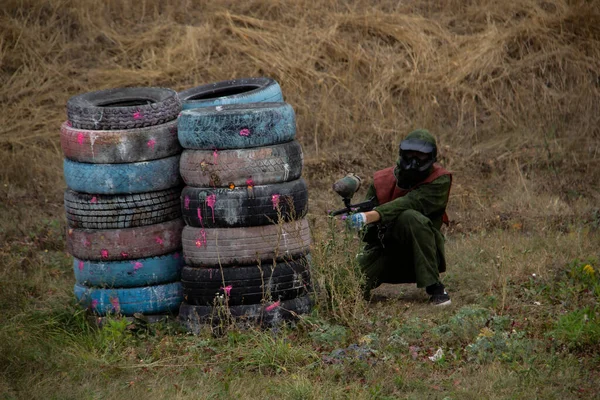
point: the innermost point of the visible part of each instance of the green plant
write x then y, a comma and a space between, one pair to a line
579, 329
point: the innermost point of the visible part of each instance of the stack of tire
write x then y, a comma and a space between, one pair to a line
124, 220
246, 242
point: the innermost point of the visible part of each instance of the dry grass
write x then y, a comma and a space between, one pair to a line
510, 88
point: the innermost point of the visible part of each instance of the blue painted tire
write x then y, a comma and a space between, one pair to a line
236, 91
140, 177
236, 126
145, 300
132, 273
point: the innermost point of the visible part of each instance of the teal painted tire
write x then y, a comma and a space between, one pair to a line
235, 91
140, 177
131, 273
155, 299
236, 126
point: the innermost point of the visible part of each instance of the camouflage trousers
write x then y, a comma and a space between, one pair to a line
409, 250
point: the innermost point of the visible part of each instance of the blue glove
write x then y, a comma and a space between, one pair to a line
357, 221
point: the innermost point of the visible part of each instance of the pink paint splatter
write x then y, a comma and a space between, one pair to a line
104, 253
124, 255
245, 132
137, 265
94, 303
176, 256
215, 156
200, 216
227, 289
159, 240
115, 303
94, 200
151, 143
249, 182
275, 201
137, 115
86, 242
69, 123
273, 306
80, 265
201, 241
186, 202
210, 201
80, 138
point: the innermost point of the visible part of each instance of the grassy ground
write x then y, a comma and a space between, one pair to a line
509, 88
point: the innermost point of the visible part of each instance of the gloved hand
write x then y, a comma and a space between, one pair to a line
357, 221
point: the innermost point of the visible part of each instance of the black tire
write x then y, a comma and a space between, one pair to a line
223, 276
249, 286
242, 167
90, 211
235, 91
244, 206
208, 299
194, 317
249, 245
123, 108
236, 126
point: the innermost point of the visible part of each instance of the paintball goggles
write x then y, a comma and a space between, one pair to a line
346, 187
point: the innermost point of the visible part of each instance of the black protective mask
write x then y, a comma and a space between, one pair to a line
410, 171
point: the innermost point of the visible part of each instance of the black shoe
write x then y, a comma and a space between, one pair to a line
441, 299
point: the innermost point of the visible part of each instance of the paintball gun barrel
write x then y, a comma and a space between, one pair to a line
346, 187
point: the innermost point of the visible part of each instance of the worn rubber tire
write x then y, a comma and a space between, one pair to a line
242, 167
236, 126
259, 284
250, 245
244, 206
120, 146
141, 177
235, 91
88, 211
137, 319
208, 299
128, 301
123, 108
264, 271
125, 244
194, 317
132, 273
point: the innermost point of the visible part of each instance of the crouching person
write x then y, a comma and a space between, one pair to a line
403, 242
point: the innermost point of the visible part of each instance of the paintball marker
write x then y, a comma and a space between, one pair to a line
346, 187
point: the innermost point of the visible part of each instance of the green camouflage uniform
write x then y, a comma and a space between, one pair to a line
406, 245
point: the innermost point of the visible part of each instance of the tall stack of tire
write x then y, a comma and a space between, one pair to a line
124, 221
245, 242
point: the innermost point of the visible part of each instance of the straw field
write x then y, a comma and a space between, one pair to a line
511, 89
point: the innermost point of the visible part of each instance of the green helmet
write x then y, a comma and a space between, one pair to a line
413, 168
420, 140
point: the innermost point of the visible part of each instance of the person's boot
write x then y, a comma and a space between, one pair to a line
439, 296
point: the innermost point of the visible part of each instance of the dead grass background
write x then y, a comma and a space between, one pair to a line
510, 88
